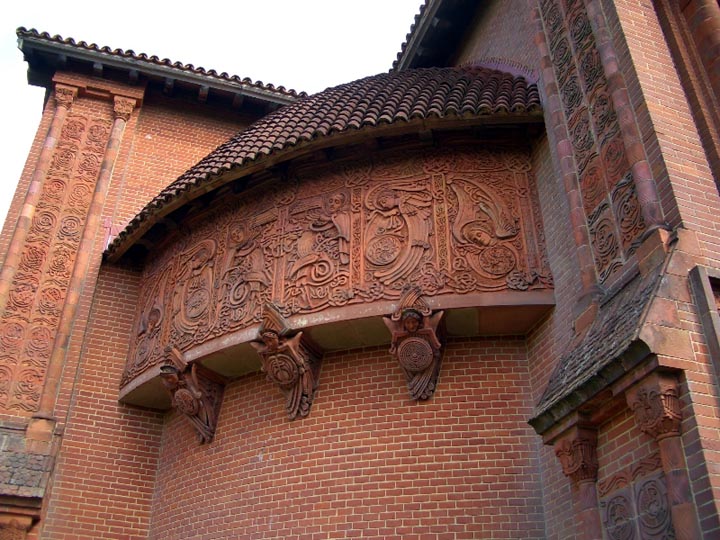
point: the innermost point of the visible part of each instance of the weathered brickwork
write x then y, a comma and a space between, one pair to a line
503, 39
105, 470
161, 146
367, 462
414, 205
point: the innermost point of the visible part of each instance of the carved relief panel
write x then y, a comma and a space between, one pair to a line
607, 187
634, 503
28, 325
449, 221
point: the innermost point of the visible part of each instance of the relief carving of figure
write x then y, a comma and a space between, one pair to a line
288, 363
398, 230
415, 344
246, 280
322, 252
483, 230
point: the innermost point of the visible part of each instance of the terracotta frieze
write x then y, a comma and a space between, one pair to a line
415, 344
449, 221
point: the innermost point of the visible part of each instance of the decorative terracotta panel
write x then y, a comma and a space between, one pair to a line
449, 222
607, 187
28, 325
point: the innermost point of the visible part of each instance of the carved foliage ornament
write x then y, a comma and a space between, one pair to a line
123, 107
578, 458
415, 343
289, 362
65, 95
657, 412
195, 392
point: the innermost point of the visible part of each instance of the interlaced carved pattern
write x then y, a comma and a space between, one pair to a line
607, 187
28, 325
451, 221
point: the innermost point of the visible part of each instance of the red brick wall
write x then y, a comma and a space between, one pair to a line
105, 470
160, 144
549, 340
367, 462
502, 34
672, 142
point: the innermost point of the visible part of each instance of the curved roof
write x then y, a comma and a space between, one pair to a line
411, 97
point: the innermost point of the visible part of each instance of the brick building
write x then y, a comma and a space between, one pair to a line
473, 297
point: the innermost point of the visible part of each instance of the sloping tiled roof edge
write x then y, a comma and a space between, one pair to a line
129, 60
609, 350
409, 98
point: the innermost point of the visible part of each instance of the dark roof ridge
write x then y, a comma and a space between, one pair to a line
32, 33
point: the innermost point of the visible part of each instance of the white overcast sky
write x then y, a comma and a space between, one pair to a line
302, 44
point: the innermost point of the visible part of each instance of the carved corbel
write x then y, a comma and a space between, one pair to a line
14, 527
195, 391
123, 107
289, 361
415, 343
65, 95
577, 454
656, 407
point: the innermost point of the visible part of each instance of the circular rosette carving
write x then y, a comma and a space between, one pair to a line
60, 262
39, 342
186, 402
51, 298
22, 296
97, 133
27, 389
383, 250
281, 369
11, 335
605, 240
198, 301
70, 227
54, 189
653, 511
415, 354
32, 259
80, 195
497, 260
321, 272
43, 222
63, 158
618, 519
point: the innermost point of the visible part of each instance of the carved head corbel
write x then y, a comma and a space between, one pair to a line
195, 391
415, 343
289, 361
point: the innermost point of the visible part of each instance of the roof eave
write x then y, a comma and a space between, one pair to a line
31, 46
416, 37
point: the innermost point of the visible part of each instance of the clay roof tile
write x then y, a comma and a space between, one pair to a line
380, 99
